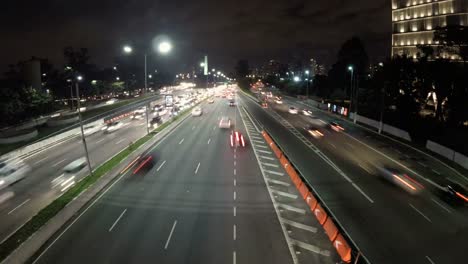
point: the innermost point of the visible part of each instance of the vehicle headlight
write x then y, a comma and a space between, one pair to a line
2, 182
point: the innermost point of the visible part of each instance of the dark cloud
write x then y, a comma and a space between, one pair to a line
225, 30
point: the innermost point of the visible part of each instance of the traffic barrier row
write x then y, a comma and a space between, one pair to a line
116, 118
338, 240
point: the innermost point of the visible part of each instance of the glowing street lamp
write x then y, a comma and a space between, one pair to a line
127, 49
165, 47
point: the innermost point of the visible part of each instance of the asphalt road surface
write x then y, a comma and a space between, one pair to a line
388, 224
42, 185
201, 202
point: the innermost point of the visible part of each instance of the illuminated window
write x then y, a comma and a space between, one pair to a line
402, 30
414, 28
429, 42
429, 27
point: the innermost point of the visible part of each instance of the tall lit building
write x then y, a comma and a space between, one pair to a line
414, 21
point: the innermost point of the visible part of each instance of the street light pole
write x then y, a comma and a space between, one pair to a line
307, 79
357, 100
351, 69
81, 126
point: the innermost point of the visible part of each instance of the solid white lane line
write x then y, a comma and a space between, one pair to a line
117, 220
265, 157
430, 260
263, 151
59, 162
198, 166
362, 192
160, 166
423, 215
39, 161
279, 182
310, 247
234, 233
274, 172
270, 164
299, 225
441, 205
234, 257
234, 211
23, 203
291, 208
209, 140
101, 140
285, 194
170, 234
180, 142
120, 141
234, 195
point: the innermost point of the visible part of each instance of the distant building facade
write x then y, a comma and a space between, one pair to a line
414, 21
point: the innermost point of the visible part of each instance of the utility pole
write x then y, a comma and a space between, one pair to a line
81, 126
357, 99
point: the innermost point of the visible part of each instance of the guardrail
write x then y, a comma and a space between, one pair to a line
344, 245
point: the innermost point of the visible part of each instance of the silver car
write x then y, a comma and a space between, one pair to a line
11, 172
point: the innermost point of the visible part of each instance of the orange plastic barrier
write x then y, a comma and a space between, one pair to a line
342, 248
311, 201
320, 214
284, 161
330, 229
303, 190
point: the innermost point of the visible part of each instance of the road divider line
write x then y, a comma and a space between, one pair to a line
120, 141
421, 213
274, 172
209, 140
291, 208
235, 163
265, 157
170, 235
59, 162
101, 140
430, 260
310, 247
279, 182
160, 166
235, 182
180, 142
234, 171
117, 220
17, 207
333, 145
422, 164
436, 172
234, 232
234, 195
234, 257
285, 194
234, 211
441, 205
261, 146
299, 225
39, 161
270, 164
263, 151
198, 166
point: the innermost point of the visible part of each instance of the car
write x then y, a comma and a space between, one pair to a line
279, 101
307, 112
68, 177
232, 103
293, 110
314, 131
197, 111
336, 127
91, 129
455, 193
155, 122
112, 126
225, 122
158, 107
145, 162
111, 101
161, 111
211, 100
12, 171
237, 139
400, 179
264, 105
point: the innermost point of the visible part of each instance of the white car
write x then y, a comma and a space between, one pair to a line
197, 111
68, 177
225, 122
279, 101
111, 127
11, 172
111, 101
91, 129
307, 112
293, 110
160, 112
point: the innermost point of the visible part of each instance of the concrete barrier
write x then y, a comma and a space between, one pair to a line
441, 150
461, 159
396, 132
19, 138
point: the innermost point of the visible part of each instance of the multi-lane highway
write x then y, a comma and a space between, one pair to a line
388, 224
202, 201
42, 185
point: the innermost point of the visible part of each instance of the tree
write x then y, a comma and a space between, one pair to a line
242, 69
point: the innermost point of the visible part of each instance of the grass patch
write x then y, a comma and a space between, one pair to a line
51, 210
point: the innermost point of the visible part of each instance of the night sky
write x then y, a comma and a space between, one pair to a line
225, 30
